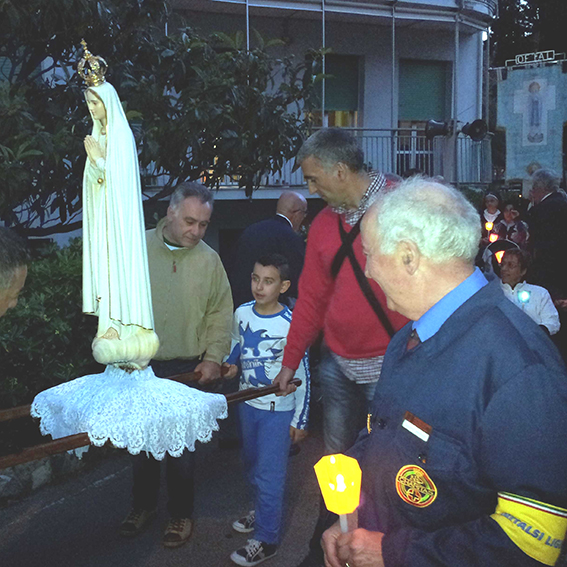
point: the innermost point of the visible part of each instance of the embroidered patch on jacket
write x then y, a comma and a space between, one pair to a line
415, 487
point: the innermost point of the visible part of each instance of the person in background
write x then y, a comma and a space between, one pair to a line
490, 216
511, 227
14, 260
269, 424
533, 300
547, 220
278, 234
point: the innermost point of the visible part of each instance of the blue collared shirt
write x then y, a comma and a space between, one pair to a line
431, 321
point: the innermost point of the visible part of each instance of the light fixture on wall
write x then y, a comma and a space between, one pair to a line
476, 130
435, 128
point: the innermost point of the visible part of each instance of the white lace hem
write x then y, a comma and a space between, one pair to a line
135, 411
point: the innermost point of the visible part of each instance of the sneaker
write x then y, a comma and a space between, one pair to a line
177, 532
135, 522
246, 524
254, 552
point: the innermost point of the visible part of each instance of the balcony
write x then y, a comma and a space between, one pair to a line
391, 151
491, 6
476, 13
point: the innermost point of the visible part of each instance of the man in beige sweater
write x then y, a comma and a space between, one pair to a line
192, 307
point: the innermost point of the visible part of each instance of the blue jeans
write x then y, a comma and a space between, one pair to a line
265, 449
345, 405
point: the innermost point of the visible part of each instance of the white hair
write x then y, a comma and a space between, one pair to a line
436, 217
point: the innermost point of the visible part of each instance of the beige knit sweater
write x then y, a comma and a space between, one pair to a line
191, 300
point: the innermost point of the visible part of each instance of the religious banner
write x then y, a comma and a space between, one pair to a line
532, 108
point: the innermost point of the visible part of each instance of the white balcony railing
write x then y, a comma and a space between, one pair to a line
394, 151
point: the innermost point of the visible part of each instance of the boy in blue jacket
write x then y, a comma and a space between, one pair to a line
271, 423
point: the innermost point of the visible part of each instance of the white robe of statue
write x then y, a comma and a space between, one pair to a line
127, 404
116, 284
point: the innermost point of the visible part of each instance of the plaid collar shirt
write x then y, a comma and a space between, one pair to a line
352, 216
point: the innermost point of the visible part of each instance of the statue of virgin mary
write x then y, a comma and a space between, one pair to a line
116, 284
126, 404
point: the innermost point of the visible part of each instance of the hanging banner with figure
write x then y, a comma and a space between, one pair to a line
533, 101
532, 108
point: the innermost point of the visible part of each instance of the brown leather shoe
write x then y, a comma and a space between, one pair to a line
135, 522
177, 532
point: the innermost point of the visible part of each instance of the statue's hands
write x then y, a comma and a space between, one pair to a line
210, 371
93, 149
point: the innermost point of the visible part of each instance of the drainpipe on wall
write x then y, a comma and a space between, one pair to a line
247, 26
486, 113
324, 117
456, 93
393, 96
480, 97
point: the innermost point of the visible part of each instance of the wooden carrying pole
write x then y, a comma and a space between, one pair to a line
82, 439
24, 411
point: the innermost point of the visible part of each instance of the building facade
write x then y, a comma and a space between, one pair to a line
392, 66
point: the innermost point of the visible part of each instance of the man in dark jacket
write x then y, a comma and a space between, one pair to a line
547, 221
277, 234
462, 458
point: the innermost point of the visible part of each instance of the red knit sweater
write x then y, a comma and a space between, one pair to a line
351, 328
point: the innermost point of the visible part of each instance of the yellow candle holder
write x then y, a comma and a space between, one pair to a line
339, 478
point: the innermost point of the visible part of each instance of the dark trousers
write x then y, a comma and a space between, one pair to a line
180, 470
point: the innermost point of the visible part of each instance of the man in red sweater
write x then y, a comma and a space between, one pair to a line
335, 296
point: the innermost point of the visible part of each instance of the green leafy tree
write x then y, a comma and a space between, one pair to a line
524, 26
198, 105
511, 31
549, 25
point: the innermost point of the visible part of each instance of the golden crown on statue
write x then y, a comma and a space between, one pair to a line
91, 68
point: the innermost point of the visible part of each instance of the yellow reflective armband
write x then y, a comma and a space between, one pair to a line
537, 528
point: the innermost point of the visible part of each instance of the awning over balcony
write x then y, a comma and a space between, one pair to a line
436, 14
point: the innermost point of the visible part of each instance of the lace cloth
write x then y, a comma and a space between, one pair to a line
135, 411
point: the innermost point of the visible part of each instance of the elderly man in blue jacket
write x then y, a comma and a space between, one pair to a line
464, 457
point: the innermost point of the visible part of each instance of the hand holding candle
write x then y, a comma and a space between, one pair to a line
340, 478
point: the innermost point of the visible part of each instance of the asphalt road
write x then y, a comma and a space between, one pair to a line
74, 523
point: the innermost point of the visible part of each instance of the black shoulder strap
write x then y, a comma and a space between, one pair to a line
347, 239
347, 249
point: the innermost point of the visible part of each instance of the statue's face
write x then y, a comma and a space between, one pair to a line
96, 106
